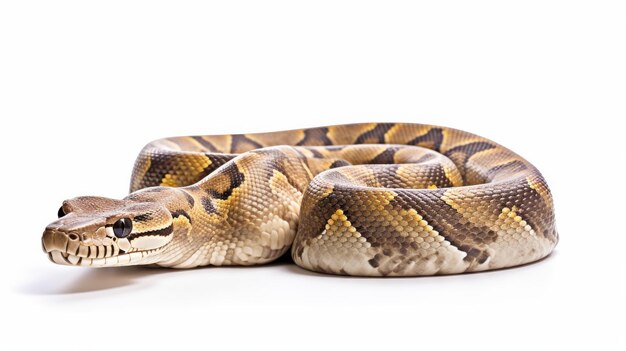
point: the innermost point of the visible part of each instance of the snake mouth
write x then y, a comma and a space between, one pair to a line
69, 250
122, 259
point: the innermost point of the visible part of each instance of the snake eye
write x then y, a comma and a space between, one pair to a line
122, 227
61, 212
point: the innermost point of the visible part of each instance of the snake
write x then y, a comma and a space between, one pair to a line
366, 199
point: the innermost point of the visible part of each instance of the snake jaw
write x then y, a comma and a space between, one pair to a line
66, 249
125, 259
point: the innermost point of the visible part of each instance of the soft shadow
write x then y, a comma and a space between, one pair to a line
77, 280
87, 280
91, 280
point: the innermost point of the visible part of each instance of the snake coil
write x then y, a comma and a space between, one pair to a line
374, 199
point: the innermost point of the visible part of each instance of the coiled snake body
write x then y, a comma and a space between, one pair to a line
376, 199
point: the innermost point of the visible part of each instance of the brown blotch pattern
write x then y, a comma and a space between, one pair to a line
437, 201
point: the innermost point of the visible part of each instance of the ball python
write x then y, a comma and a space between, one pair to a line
371, 199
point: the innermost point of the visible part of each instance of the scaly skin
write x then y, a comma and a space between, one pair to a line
366, 199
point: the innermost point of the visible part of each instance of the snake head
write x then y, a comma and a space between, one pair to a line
98, 232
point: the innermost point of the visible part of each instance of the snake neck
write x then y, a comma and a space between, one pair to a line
211, 219
180, 203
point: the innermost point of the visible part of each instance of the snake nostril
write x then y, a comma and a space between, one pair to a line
73, 236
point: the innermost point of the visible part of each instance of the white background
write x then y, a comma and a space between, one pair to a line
84, 85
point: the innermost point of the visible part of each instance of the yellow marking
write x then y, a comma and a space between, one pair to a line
181, 226
279, 184
328, 191
392, 138
225, 206
339, 233
453, 175
389, 195
432, 186
406, 174
444, 137
195, 164
339, 225
541, 188
402, 133
531, 183
220, 183
534, 184
169, 180
510, 224
345, 135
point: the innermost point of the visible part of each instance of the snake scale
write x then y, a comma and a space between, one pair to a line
371, 199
